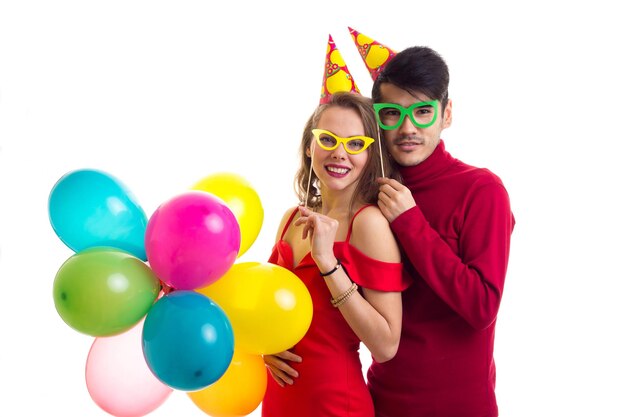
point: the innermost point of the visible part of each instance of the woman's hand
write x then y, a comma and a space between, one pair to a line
321, 231
279, 369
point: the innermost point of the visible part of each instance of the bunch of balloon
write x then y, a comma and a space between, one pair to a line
118, 378
191, 241
189, 319
241, 198
269, 308
105, 289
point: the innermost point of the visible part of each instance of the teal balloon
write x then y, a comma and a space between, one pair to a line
187, 340
90, 208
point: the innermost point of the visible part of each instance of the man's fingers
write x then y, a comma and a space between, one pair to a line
387, 189
289, 356
396, 185
285, 369
384, 198
384, 203
278, 363
280, 377
280, 369
274, 376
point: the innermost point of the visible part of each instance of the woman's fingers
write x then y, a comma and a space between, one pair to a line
309, 222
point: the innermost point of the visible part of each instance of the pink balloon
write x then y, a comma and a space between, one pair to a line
118, 378
192, 240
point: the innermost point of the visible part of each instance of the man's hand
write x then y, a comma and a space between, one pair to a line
279, 369
393, 198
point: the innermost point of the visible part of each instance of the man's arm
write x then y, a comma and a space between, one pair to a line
471, 283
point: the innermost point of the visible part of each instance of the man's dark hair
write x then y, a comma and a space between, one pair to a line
417, 69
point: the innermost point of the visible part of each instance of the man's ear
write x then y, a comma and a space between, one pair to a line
447, 115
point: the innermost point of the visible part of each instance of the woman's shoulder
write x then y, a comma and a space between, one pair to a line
288, 216
372, 235
290, 212
369, 222
369, 213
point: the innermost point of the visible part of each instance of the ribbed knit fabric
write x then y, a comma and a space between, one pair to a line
456, 245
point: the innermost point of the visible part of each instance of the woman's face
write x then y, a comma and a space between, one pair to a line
337, 169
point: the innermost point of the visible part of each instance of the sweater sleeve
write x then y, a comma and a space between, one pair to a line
470, 282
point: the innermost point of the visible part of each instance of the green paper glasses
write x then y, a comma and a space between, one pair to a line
353, 145
390, 115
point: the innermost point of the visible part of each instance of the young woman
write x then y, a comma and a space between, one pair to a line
340, 245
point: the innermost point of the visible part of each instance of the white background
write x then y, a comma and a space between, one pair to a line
163, 93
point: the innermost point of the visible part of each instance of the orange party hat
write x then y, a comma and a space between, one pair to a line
337, 78
375, 55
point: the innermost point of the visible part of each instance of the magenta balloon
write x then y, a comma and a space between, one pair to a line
192, 240
118, 378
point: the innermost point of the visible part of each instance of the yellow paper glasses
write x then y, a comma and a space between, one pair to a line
353, 145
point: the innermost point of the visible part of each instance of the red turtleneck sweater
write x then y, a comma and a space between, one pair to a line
456, 242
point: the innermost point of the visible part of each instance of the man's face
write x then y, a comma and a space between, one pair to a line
408, 144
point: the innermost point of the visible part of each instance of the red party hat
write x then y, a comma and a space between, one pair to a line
337, 78
375, 55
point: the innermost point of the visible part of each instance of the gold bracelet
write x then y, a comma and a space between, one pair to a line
342, 298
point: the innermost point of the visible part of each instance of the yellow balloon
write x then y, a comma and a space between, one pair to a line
268, 306
238, 392
241, 199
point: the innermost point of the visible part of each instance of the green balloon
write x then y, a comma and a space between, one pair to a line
104, 291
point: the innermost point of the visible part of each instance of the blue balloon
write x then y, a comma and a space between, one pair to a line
188, 341
90, 208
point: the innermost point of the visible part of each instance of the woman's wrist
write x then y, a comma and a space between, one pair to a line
326, 273
326, 264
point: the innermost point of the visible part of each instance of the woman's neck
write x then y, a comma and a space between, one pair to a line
337, 203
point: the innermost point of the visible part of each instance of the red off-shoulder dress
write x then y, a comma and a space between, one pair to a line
330, 381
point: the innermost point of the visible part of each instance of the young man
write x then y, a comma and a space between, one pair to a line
454, 224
